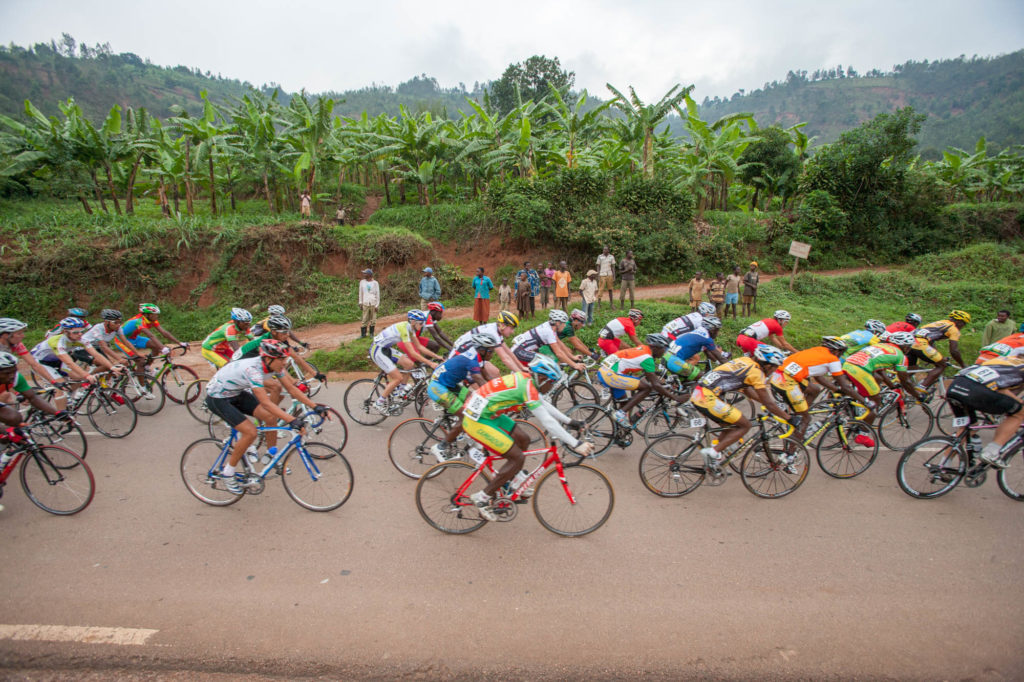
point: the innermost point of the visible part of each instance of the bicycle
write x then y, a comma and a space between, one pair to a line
770, 466
361, 396
54, 478
144, 390
51, 430
173, 379
932, 467
293, 369
574, 387
328, 486
443, 495
838, 453
109, 410
943, 415
900, 424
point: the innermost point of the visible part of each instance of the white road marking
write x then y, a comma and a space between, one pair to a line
77, 633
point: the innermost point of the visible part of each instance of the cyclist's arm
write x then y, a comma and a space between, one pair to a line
552, 419
907, 384
954, 351
841, 385
883, 376
167, 335
763, 397
35, 401
293, 391
565, 356
291, 335
40, 371
419, 352
74, 370
266, 403
98, 358
654, 381
781, 342
715, 354
580, 346
307, 369
632, 337
510, 360
440, 337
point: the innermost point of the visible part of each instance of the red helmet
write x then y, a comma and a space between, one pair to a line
435, 305
272, 349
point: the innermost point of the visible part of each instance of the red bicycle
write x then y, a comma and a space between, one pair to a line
569, 499
54, 478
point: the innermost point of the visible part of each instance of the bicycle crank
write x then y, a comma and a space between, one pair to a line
505, 509
715, 476
254, 485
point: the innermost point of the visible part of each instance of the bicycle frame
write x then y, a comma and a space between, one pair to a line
294, 442
462, 499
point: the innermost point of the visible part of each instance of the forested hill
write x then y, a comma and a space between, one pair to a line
964, 99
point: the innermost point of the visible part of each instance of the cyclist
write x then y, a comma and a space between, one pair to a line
1008, 346
546, 335
236, 391
380, 353
609, 339
222, 342
928, 335
278, 328
691, 322
484, 419
147, 319
816, 363
910, 323
279, 310
54, 352
577, 319
635, 369
12, 337
448, 388
101, 335
764, 331
499, 331
440, 343
868, 365
11, 382
80, 313
746, 374
681, 353
872, 333
990, 388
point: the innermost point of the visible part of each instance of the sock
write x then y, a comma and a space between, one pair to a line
228, 470
992, 449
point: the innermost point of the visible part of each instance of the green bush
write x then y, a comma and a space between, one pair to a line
376, 246
442, 222
642, 196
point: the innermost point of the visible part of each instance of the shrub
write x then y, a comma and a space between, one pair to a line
377, 246
444, 222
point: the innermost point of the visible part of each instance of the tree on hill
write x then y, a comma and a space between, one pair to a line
533, 79
769, 165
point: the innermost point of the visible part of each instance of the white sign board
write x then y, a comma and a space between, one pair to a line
799, 250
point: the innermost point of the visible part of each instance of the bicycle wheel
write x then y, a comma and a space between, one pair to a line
195, 401
199, 466
766, 474
145, 392
590, 505
840, 455
667, 420
175, 380
931, 468
321, 483
600, 428
66, 434
575, 393
409, 446
332, 431
57, 480
1011, 482
900, 428
435, 498
359, 399
111, 412
537, 438
672, 466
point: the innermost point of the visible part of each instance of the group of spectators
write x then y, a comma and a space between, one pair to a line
724, 291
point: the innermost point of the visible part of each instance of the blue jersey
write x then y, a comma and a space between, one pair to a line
455, 369
690, 344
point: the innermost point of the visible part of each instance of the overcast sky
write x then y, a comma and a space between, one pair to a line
649, 44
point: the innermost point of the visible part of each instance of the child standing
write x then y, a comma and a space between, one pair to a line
523, 295
505, 296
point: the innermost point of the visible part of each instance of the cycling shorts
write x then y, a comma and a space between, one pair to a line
619, 383
450, 399
609, 346
711, 406
967, 397
140, 341
233, 410
382, 357
684, 369
788, 389
213, 357
494, 434
747, 343
923, 350
863, 380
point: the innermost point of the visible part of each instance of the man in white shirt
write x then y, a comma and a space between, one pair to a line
369, 301
606, 274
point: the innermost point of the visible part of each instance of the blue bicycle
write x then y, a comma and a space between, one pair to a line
315, 475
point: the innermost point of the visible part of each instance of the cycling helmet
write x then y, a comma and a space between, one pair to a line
556, 315
657, 340
960, 316
834, 343
279, 323
901, 338
711, 322
436, 305
271, 348
578, 314
876, 327
505, 317
7, 360
70, 324
9, 325
635, 314
914, 319
149, 309
275, 310
782, 316
544, 366
78, 312
241, 315
416, 316
706, 309
484, 341
769, 354
111, 314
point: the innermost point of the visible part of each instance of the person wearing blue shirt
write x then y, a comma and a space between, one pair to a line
686, 346
482, 286
447, 386
533, 277
430, 288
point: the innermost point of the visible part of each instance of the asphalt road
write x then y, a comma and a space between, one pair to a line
843, 579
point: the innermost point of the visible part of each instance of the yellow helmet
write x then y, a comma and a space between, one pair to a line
505, 317
960, 316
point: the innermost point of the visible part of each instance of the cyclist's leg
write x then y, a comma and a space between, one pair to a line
717, 410
865, 384
787, 389
234, 411
213, 357
497, 435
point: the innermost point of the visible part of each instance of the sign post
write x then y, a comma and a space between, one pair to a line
798, 250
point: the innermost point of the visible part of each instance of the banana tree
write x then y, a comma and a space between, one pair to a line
261, 148
644, 118
140, 130
573, 128
306, 129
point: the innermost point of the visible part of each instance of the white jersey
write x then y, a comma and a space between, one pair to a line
685, 324
238, 376
465, 342
526, 345
98, 332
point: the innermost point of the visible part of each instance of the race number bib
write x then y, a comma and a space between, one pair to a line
475, 407
983, 375
999, 349
748, 331
959, 422
710, 378
698, 422
792, 369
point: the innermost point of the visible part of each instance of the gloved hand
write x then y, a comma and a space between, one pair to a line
63, 414
296, 424
321, 409
585, 449
304, 344
577, 425
320, 376
184, 344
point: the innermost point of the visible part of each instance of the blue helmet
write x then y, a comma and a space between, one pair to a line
416, 316
544, 366
769, 354
78, 312
70, 324
241, 315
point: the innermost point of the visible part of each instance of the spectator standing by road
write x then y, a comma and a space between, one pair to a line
589, 293
545, 286
750, 281
339, 215
533, 282
482, 286
999, 328
369, 301
698, 285
505, 296
304, 205
627, 275
606, 275
430, 288
522, 294
562, 277
732, 290
716, 293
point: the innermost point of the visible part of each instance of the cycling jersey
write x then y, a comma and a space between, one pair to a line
732, 376
688, 345
237, 377
134, 325
762, 329
617, 328
526, 345
250, 349
813, 362
1007, 347
400, 331
454, 370
465, 342
935, 331
502, 395
857, 339
46, 350
880, 356
996, 373
15, 349
630, 361
97, 333
218, 339
685, 324
900, 326
567, 333
18, 384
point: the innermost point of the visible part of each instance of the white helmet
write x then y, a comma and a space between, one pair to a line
9, 325
556, 315
782, 316
706, 309
7, 360
275, 310
241, 315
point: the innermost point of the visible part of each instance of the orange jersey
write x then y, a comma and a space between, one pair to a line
813, 362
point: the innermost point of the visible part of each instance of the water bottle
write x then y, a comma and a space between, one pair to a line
974, 443
269, 457
519, 478
477, 454
4, 459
